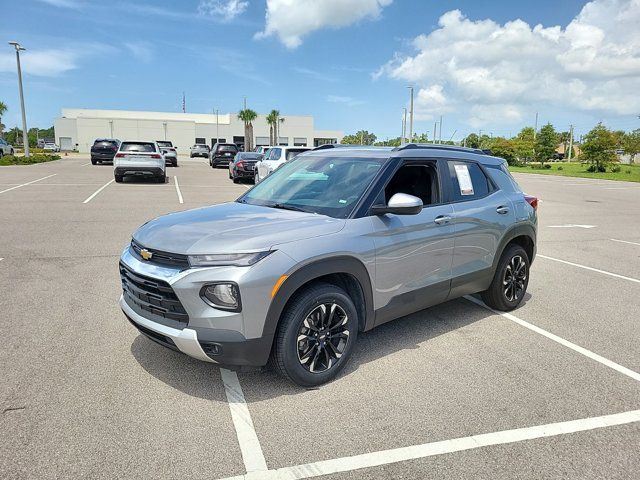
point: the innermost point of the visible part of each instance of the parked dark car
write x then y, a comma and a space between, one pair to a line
222, 154
244, 166
104, 149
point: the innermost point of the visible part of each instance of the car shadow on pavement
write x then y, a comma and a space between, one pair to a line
411, 332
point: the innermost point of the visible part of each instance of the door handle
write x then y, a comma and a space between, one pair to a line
502, 210
442, 219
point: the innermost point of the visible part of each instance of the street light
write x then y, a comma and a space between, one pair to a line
411, 114
25, 137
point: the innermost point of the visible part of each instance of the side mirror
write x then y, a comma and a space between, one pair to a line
399, 204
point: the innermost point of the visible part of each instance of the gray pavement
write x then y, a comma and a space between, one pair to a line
83, 395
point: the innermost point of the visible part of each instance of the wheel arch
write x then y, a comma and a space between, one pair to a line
523, 235
347, 272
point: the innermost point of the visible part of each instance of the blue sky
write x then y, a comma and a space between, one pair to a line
346, 62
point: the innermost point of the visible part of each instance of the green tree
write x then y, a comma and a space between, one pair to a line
523, 144
272, 120
3, 109
599, 148
631, 144
248, 116
546, 143
361, 137
472, 141
504, 148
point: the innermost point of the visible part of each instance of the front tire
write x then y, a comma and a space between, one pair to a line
119, 178
316, 335
93, 162
163, 178
510, 281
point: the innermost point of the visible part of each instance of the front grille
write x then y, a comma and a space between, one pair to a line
159, 257
152, 296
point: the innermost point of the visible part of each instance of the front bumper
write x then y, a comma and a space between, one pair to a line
212, 335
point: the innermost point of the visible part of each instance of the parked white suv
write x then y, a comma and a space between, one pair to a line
140, 159
5, 148
275, 157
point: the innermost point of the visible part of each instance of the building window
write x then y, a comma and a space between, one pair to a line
283, 141
262, 141
299, 142
323, 141
218, 140
200, 140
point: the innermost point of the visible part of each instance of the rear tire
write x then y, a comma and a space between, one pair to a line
162, 179
510, 281
93, 162
316, 336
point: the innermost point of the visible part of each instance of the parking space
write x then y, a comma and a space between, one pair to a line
457, 390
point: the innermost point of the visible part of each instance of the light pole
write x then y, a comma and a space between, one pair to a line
25, 136
411, 114
217, 127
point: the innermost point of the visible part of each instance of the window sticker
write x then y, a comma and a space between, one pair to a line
464, 179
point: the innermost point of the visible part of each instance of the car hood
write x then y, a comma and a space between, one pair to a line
232, 227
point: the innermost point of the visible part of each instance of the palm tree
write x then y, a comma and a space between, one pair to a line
272, 120
3, 108
247, 116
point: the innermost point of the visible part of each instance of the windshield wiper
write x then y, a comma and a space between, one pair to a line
285, 206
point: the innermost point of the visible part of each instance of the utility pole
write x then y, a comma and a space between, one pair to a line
411, 114
535, 129
570, 143
184, 103
25, 135
440, 136
217, 127
435, 125
404, 126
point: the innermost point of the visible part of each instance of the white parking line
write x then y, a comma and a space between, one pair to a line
577, 348
246, 186
28, 183
175, 179
624, 241
247, 438
99, 190
85, 164
590, 268
396, 455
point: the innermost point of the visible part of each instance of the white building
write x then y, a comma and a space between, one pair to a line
77, 129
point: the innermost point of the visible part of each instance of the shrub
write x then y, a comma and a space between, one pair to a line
596, 168
21, 160
628, 172
547, 166
560, 167
616, 168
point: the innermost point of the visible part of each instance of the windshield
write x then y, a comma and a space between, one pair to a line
164, 144
325, 185
227, 148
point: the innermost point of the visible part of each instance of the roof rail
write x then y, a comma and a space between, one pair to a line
327, 146
439, 146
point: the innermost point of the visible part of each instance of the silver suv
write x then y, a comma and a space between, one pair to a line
333, 243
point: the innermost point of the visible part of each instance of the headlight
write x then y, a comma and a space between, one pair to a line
225, 295
234, 259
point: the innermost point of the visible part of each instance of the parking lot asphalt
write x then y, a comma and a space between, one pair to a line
455, 391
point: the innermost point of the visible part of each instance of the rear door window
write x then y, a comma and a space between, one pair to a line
274, 153
292, 152
468, 181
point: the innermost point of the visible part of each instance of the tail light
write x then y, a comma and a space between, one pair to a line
156, 155
531, 200
120, 155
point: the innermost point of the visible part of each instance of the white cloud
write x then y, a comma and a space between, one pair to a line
143, 51
228, 9
349, 101
491, 72
52, 62
291, 20
63, 3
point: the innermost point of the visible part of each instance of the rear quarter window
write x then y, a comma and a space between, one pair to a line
502, 177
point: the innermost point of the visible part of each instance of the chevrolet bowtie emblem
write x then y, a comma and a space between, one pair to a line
146, 254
